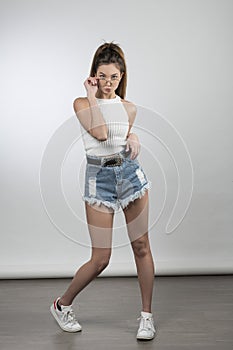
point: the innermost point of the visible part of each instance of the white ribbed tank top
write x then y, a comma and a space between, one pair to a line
116, 118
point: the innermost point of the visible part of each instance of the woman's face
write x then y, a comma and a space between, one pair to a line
109, 77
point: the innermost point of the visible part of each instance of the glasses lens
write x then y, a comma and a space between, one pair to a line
110, 79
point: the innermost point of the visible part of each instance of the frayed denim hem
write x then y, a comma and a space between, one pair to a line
120, 203
139, 194
92, 200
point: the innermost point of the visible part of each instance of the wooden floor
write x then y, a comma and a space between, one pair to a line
191, 312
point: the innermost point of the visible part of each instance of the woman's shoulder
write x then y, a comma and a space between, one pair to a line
80, 103
130, 107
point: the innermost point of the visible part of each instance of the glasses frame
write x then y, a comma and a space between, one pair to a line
109, 80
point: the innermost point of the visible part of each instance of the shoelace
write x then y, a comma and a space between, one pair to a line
146, 323
69, 317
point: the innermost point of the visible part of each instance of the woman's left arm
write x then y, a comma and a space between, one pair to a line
133, 143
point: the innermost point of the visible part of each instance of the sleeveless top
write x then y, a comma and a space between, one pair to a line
116, 118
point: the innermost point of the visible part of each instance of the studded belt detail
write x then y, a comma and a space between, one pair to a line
111, 161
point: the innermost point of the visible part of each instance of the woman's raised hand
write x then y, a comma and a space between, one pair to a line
91, 85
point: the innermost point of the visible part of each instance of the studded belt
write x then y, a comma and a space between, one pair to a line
113, 160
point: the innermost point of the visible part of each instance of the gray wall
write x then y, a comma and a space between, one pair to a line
179, 56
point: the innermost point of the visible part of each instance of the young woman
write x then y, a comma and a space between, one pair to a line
114, 178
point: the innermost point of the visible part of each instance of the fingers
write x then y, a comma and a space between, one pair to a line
134, 152
134, 147
93, 81
91, 85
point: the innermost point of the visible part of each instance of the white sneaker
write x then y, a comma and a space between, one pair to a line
146, 328
65, 318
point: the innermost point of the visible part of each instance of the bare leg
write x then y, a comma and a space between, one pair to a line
136, 215
100, 221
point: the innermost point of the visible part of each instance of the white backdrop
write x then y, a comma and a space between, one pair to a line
179, 55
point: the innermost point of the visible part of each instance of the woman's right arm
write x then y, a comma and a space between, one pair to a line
88, 112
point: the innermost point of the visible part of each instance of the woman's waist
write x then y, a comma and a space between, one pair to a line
104, 150
113, 159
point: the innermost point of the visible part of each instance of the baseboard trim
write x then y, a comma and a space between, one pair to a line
127, 268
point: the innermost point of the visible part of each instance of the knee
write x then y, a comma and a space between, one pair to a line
140, 248
101, 263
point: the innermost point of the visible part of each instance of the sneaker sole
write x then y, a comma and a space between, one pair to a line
59, 322
144, 338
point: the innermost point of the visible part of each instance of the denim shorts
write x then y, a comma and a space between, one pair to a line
115, 186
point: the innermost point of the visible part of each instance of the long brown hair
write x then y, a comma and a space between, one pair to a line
111, 53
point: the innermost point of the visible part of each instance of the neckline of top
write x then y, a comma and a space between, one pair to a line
109, 100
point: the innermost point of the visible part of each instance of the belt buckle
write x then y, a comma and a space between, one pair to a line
114, 161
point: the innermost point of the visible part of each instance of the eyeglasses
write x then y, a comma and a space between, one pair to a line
111, 80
